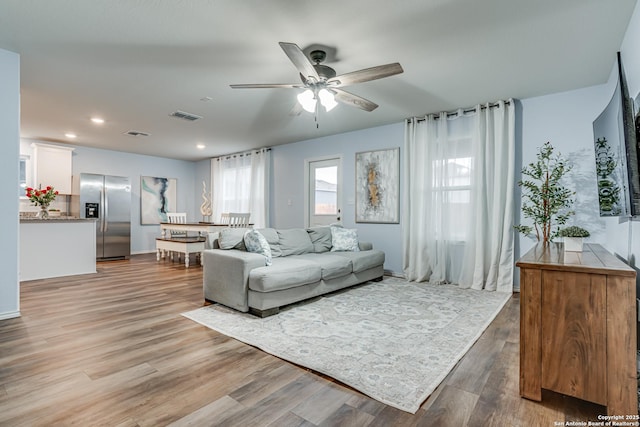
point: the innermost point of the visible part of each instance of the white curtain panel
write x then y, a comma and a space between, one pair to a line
259, 198
240, 184
458, 198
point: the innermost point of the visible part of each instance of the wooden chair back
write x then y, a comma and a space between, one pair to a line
177, 218
239, 220
224, 218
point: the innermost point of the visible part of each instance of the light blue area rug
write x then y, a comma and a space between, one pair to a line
394, 340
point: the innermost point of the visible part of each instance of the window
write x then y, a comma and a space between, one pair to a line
239, 183
451, 186
326, 191
24, 166
235, 193
322, 191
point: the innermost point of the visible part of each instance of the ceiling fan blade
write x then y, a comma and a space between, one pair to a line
366, 75
300, 60
353, 100
268, 85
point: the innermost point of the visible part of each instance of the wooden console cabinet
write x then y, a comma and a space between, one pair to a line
578, 326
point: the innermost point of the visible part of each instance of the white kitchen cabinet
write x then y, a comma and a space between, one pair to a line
52, 166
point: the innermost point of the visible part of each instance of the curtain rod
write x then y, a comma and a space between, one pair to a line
246, 153
468, 110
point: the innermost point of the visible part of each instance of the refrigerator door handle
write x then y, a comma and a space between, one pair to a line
106, 211
101, 211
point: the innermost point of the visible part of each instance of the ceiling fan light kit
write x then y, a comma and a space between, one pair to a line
309, 98
327, 99
322, 83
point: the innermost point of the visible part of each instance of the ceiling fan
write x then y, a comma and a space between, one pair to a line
321, 82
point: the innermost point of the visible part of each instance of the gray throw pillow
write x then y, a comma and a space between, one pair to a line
273, 239
295, 241
232, 238
321, 238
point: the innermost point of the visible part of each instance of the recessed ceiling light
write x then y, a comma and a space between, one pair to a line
206, 99
97, 120
70, 135
201, 146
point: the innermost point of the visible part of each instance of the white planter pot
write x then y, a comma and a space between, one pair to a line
573, 244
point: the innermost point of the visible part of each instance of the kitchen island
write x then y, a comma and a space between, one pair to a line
55, 247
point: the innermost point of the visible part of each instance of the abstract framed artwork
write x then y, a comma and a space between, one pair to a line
378, 186
157, 197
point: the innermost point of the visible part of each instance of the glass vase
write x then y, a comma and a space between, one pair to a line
44, 212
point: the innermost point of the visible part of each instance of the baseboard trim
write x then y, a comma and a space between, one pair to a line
394, 274
9, 315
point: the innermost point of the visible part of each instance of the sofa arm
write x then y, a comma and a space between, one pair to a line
365, 246
226, 276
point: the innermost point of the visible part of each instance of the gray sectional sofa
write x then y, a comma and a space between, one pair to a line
305, 263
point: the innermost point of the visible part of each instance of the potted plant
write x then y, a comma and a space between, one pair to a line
573, 238
545, 200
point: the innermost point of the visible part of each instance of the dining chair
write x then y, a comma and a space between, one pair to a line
239, 220
176, 218
224, 218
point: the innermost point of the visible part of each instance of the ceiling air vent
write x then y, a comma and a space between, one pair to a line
136, 133
185, 116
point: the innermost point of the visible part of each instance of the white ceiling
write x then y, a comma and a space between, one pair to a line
133, 62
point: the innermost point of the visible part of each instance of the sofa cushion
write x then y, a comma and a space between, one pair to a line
232, 238
284, 273
363, 260
255, 242
273, 239
295, 241
321, 238
344, 239
331, 266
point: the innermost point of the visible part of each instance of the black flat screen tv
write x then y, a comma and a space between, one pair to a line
617, 153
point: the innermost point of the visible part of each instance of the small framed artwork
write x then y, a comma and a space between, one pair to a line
157, 197
378, 186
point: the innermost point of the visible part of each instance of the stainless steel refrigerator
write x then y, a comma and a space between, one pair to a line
108, 200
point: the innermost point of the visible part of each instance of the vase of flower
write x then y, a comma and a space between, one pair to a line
44, 212
42, 198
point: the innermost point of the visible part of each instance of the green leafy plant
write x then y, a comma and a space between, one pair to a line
573, 231
545, 200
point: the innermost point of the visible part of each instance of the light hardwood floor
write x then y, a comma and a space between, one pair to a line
112, 349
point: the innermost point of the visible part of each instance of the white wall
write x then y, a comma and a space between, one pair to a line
288, 184
565, 119
90, 160
133, 166
10, 152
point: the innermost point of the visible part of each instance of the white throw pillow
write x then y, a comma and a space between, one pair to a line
256, 242
344, 239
